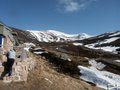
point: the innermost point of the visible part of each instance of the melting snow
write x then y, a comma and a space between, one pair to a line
38, 53
100, 78
115, 34
107, 48
109, 40
117, 60
97, 65
78, 44
28, 46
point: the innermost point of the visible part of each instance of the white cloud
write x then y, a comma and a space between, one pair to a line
73, 5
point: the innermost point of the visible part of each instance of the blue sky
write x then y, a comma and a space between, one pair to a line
69, 16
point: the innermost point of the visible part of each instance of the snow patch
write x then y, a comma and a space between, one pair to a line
38, 53
97, 65
100, 78
117, 61
28, 46
109, 40
115, 34
78, 44
107, 48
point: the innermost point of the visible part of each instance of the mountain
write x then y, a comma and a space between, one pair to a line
56, 36
109, 41
66, 58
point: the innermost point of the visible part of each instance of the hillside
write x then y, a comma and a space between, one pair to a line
108, 42
47, 74
44, 77
65, 57
24, 36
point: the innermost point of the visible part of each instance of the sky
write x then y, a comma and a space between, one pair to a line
68, 16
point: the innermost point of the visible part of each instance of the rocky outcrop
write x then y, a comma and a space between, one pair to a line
20, 70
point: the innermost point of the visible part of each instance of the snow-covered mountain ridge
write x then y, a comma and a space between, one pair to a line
108, 42
56, 36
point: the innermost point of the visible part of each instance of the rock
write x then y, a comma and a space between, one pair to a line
20, 71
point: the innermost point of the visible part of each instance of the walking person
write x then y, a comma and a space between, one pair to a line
11, 55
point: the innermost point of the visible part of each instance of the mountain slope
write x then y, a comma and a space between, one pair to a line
78, 54
44, 77
24, 36
56, 36
47, 36
107, 41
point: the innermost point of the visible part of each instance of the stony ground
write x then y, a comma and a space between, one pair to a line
44, 77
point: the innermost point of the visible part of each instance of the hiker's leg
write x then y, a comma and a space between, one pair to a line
6, 67
10, 67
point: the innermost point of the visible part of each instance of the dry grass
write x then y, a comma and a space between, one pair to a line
43, 77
